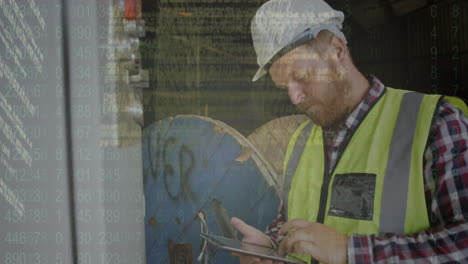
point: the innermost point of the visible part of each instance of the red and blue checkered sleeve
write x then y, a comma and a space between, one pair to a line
446, 191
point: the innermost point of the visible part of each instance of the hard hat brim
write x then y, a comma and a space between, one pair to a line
260, 73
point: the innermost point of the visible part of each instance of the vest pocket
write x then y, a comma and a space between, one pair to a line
353, 196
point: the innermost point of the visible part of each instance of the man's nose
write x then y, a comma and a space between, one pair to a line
296, 93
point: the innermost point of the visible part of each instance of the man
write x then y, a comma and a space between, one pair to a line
379, 174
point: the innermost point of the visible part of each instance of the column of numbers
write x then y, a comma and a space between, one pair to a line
455, 56
434, 75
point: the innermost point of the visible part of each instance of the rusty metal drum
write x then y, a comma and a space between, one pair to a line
193, 165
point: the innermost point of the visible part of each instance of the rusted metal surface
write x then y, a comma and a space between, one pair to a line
180, 253
152, 222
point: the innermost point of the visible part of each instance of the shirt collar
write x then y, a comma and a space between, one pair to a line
376, 90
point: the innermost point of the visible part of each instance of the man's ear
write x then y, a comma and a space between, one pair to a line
339, 51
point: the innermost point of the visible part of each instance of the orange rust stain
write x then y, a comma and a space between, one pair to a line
152, 222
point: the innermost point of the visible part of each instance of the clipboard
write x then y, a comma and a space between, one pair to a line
239, 247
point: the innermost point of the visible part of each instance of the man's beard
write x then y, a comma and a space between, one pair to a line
334, 109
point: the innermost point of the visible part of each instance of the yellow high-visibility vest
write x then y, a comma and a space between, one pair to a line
377, 185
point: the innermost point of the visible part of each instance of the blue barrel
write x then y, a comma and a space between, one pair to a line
193, 165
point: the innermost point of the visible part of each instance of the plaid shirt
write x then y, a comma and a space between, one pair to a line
445, 185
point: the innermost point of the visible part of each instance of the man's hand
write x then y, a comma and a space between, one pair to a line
307, 238
251, 235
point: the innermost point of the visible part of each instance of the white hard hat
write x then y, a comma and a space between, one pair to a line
281, 25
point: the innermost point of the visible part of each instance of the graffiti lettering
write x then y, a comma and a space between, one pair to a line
186, 163
184, 150
168, 170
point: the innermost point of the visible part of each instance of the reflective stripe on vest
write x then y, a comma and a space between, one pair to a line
394, 199
392, 216
294, 161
